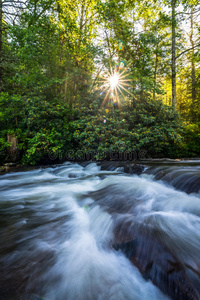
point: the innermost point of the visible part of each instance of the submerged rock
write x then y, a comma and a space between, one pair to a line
150, 254
183, 178
162, 245
124, 166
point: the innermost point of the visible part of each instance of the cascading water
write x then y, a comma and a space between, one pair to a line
79, 232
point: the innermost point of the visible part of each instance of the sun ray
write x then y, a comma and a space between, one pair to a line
126, 84
101, 76
104, 100
104, 77
121, 92
125, 90
117, 96
124, 80
125, 69
106, 81
116, 93
124, 76
122, 87
105, 88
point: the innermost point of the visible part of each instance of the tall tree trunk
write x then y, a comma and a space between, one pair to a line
1, 30
173, 3
60, 34
155, 74
81, 25
192, 59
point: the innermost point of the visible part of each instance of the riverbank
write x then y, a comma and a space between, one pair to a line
12, 167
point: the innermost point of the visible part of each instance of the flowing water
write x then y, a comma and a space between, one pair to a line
79, 232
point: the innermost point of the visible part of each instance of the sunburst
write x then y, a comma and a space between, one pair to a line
115, 83
114, 80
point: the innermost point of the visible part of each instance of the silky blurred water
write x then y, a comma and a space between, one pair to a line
57, 229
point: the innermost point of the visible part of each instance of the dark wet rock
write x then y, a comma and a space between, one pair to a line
183, 175
124, 166
10, 164
115, 202
185, 179
2, 169
149, 243
9, 167
72, 176
146, 249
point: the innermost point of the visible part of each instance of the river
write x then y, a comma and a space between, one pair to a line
100, 232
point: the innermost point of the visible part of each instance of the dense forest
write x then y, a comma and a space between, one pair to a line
95, 79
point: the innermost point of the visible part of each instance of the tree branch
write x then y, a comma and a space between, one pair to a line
10, 3
13, 5
188, 13
10, 13
187, 51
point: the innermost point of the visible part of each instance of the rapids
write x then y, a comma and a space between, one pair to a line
88, 232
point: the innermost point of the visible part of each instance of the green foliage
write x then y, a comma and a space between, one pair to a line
4, 145
191, 143
154, 127
51, 58
102, 132
144, 125
48, 129
39, 125
41, 144
11, 111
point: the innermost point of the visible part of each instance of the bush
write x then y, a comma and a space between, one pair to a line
49, 130
40, 125
191, 143
154, 127
142, 125
4, 145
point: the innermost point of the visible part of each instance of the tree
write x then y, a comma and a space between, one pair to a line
192, 56
173, 6
9, 13
187, 98
1, 31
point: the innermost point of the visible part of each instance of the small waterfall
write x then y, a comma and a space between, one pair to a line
185, 178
